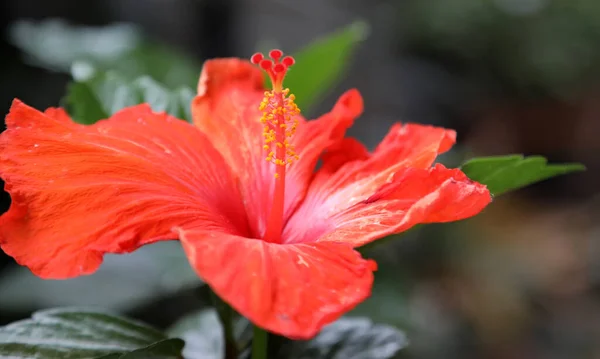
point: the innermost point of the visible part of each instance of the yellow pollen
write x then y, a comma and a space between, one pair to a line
279, 118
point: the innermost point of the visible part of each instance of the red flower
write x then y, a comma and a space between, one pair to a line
274, 238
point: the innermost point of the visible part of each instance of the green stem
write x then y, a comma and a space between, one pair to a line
259, 343
225, 314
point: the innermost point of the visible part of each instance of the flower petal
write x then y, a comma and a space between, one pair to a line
57, 114
347, 150
81, 191
413, 196
409, 145
226, 109
314, 137
350, 174
292, 290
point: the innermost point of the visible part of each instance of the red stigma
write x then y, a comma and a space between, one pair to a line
257, 58
276, 67
279, 68
275, 54
288, 61
266, 64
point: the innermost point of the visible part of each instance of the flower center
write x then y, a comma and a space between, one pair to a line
280, 122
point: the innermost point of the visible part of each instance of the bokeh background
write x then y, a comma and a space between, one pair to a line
521, 280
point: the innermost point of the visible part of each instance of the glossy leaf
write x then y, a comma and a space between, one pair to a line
349, 338
58, 46
203, 334
123, 282
321, 64
502, 174
165, 349
73, 333
163, 64
55, 45
100, 97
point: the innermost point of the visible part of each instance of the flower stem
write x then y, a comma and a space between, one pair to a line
259, 343
225, 314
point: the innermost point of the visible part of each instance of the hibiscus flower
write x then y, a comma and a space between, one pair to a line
270, 232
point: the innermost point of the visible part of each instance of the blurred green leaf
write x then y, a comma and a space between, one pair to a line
100, 97
502, 174
165, 349
388, 303
349, 338
86, 51
529, 48
321, 64
73, 333
55, 45
203, 334
161, 63
123, 282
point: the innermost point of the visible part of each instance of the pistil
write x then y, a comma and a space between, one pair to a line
279, 120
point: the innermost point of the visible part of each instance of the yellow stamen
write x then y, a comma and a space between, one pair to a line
279, 112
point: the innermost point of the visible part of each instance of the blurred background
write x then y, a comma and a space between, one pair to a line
521, 280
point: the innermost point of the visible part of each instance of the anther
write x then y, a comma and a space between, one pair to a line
278, 109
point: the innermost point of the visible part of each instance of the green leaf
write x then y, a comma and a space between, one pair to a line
203, 334
321, 64
161, 63
388, 303
349, 338
103, 95
122, 283
502, 174
85, 51
55, 45
98, 98
165, 349
74, 333
174, 102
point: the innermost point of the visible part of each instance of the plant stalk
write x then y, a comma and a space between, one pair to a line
259, 343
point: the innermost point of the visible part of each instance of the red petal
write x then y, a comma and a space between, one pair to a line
292, 290
409, 145
57, 114
81, 191
350, 174
347, 150
226, 109
414, 140
413, 196
314, 137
